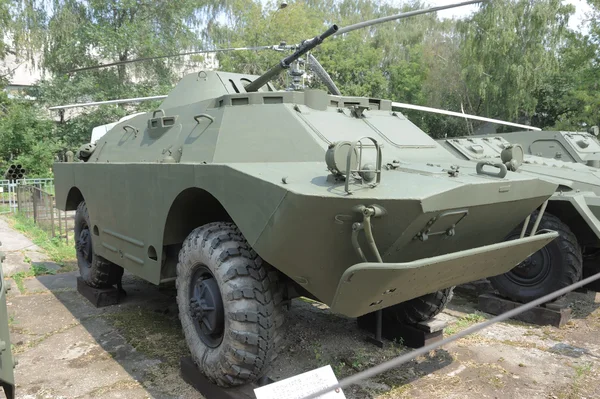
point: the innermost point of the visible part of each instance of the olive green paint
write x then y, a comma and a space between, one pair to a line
214, 152
580, 147
367, 287
577, 199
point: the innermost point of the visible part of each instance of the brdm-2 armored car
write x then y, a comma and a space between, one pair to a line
248, 197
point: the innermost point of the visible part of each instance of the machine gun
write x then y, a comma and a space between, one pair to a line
285, 63
310, 44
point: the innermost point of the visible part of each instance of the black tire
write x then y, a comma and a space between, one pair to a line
234, 341
94, 270
553, 267
418, 309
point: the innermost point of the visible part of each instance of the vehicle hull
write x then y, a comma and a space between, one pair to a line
302, 227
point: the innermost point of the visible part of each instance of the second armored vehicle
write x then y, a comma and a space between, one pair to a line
579, 147
573, 211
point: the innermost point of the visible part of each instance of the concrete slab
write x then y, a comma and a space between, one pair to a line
13, 240
14, 263
17, 247
52, 282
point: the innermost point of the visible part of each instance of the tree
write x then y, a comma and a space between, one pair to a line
26, 136
508, 48
569, 99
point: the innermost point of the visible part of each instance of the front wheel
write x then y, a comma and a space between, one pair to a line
555, 266
230, 305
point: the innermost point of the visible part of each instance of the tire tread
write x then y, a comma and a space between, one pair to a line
257, 293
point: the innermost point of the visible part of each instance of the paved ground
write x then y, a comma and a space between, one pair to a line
69, 349
17, 249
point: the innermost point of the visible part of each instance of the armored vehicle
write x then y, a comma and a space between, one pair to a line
7, 379
573, 211
580, 147
248, 196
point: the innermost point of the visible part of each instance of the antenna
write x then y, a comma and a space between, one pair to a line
124, 100
405, 15
460, 115
283, 5
291, 60
257, 48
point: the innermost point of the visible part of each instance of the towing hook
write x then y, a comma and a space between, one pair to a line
368, 212
371, 210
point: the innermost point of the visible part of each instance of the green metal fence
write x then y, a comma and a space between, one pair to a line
39, 206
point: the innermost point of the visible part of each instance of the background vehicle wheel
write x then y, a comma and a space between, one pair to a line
230, 305
553, 267
418, 309
95, 270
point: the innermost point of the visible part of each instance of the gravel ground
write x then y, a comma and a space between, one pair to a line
68, 349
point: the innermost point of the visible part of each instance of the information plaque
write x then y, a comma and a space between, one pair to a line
302, 385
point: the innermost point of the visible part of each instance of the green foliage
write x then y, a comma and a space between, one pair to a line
79, 33
26, 136
507, 49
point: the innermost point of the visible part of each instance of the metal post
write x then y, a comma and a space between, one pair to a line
12, 198
59, 225
66, 228
376, 340
18, 200
34, 205
51, 207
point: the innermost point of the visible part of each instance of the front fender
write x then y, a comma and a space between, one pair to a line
367, 287
584, 203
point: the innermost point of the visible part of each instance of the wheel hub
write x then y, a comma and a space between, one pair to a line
206, 307
532, 270
84, 244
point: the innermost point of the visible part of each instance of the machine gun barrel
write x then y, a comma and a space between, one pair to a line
285, 63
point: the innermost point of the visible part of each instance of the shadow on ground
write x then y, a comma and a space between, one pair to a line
68, 348
582, 302
133, 349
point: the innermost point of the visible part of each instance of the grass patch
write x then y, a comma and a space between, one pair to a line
464, 322
151, 333
35, 270
579, 386
56, 248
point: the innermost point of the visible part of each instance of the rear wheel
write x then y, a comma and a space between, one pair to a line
94, 270
230, 305
418, 309
553, 267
